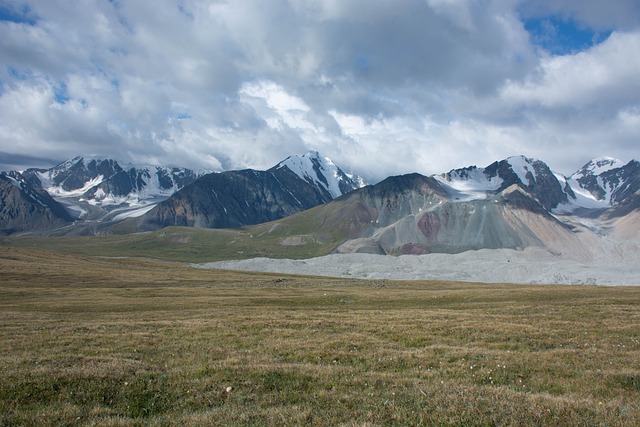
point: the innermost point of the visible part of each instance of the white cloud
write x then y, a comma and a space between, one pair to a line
458, 11
277, 107
381, 87
607, 73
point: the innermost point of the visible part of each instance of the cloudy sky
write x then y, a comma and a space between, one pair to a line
381, 87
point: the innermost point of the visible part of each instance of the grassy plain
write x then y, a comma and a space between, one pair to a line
112, 341
188, 244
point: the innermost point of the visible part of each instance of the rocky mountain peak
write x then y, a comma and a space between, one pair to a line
535, 176
323, 172
605, 182
597, 166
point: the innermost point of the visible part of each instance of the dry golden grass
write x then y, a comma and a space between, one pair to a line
96, 341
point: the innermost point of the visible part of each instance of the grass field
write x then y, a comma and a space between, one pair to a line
188, 244
111, 341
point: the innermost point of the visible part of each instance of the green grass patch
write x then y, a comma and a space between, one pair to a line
106, 341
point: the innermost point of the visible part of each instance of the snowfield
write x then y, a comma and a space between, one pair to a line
530, 266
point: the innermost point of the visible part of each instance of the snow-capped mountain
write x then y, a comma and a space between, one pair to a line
244, 197
599, 184
90, 189
102, 181
97, 193
535, 176
604, 182
322, 172
96, 188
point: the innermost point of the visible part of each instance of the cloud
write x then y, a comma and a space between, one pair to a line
605, 74
585, 103
277, 107
381, 87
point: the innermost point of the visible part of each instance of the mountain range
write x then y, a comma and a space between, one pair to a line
307, 200
88, 194
246, 197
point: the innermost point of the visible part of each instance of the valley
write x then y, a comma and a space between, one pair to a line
495, 319
513, 221
319, 213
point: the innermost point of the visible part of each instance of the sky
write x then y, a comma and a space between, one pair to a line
381, 87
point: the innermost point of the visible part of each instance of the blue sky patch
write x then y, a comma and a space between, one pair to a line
16, 74
21, 15
561, 36
61, 94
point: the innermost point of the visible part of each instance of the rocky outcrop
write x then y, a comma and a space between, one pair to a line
25, 208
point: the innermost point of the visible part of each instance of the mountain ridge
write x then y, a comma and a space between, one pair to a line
24, 207
247, 197
101, 190
514, 203
601, 183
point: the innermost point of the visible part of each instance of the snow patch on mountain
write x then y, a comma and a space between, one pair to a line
13, 180
134, 213
474, 183
597, 167
358, 181
583, 198
522, 166
57, 191
469, 183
